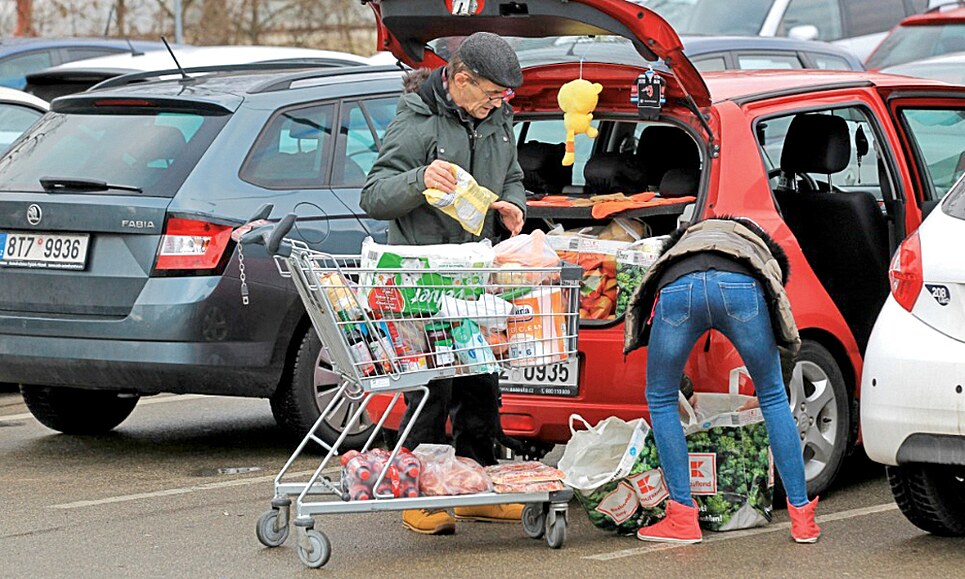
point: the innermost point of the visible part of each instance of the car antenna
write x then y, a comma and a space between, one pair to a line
134, 51
184, 75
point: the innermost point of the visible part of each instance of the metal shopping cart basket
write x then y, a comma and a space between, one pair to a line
391, 331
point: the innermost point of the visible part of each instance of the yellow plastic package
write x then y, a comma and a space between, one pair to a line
468, 204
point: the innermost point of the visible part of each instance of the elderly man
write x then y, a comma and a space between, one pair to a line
453, 115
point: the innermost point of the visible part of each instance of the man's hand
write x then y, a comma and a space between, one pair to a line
511, 215
439, 175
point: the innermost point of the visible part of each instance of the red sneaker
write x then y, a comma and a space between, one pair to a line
678, 526
803, 527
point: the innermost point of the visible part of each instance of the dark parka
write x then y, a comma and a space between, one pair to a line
421, 133
744, 243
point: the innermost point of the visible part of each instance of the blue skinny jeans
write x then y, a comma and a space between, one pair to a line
733, 304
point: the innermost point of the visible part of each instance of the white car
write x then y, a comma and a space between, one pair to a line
948, 68
18, 112
77, 76
913, 383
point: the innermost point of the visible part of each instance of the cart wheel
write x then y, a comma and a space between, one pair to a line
267, 530
556, 534
534, 521
320, 552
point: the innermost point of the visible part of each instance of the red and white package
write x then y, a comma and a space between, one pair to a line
525, 477
444, 473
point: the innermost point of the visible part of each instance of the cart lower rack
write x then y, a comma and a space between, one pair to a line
391, 330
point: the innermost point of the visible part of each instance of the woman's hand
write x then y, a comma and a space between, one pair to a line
511, 216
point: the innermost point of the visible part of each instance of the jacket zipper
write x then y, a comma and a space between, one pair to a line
472, 149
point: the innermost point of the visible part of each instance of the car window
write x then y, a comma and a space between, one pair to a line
13, 70
871, 16
293, 150
552, 131
829, 61
861, 173
88, 52
360, 137
823, 15
768, 61
939, 139
910, 43
954, 204
710, 64
14, 120
101, 147
712, 16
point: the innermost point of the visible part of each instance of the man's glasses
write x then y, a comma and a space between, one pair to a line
492, 96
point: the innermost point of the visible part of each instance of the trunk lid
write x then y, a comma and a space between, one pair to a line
421, 33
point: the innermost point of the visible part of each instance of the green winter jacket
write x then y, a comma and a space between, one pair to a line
394, 186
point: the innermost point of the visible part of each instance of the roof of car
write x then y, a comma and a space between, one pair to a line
748, 84
12, 95
936, 17
11, 45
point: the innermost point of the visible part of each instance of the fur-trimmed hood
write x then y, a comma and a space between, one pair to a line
774, 247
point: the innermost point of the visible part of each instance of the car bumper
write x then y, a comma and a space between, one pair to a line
912, 383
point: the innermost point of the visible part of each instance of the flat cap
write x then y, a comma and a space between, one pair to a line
492, 58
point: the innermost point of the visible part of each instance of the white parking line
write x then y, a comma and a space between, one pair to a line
717, 537
159, 400
191, 489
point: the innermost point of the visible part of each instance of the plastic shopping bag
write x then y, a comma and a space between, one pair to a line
603, 465
468, 204
444, 473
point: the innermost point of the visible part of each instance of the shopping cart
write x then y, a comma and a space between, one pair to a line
391, 331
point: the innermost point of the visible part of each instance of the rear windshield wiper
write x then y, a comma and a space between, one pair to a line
60, 184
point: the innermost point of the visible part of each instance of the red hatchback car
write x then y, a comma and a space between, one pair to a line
838, 167
939, 31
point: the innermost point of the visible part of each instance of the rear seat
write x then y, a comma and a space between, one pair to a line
542, 168
664, 148
614, 173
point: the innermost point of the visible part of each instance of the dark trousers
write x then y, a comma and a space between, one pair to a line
473, 404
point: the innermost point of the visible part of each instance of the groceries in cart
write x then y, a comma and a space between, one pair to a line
468, 307
445, 474
360, 473
525, 477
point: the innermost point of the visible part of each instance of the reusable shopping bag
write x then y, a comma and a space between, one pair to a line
731, 468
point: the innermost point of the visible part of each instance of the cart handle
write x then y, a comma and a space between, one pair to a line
271, 236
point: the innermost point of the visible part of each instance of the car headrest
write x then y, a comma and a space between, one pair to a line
165, 142
816, 143
661, 148
614, 173
542, 168
679, 183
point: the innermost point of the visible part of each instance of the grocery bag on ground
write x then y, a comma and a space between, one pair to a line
730, 464
731, 468
468, 204
606, 469
414, 278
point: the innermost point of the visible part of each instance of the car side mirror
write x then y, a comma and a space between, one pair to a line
804, 32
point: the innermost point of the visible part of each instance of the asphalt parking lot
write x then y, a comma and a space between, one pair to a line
176, 491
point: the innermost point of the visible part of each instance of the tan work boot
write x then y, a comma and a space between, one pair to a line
429, 521
490, 513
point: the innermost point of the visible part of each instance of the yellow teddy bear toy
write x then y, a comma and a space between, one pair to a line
578, 98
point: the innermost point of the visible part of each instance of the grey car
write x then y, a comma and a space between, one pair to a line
118, 275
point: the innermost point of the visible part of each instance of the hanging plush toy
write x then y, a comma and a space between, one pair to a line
578, 98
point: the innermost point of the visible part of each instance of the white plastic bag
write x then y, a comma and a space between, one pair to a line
601, 453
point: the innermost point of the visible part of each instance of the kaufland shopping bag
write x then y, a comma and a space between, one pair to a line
612, 470
731, 468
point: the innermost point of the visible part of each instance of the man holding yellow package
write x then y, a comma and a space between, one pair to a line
447, 172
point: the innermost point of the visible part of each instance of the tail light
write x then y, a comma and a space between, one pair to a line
905, 273
192, 245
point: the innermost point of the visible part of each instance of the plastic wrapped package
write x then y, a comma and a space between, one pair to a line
525, 477
632, 264
468, 204
360, 471
598, 258
529, 250
444, 473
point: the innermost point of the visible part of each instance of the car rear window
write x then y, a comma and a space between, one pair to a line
154, 152
909, 43
954, 203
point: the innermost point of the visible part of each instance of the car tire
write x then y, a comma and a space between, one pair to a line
299, 401
932, 497
77, 411
821, 406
